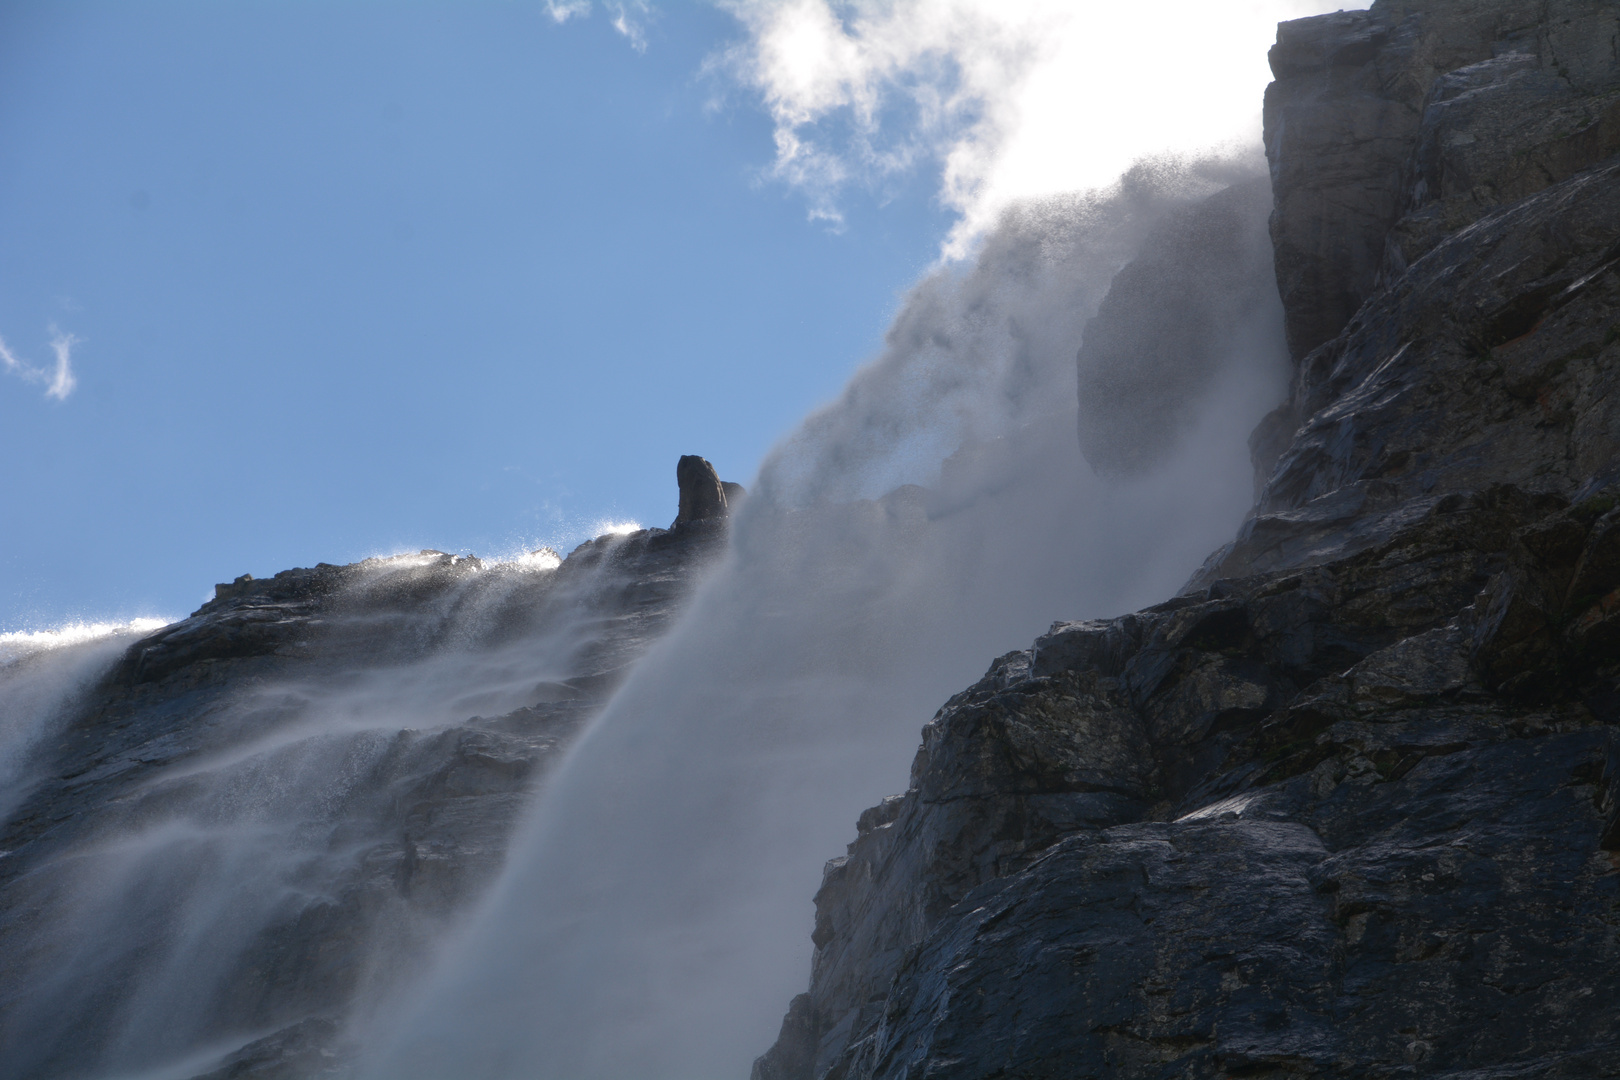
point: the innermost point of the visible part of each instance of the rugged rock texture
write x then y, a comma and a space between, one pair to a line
1491, 359
704, 496
1283, 826
360, 835
1419, 117
1175, 317
1350, 805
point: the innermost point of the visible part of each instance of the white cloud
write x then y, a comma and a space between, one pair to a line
563, 10
1004, 99
58, 379
630, 17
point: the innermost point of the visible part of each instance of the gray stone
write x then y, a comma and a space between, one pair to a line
1349, 805
1492, 359
1146, 847
1390, 128
704, 496
412, 826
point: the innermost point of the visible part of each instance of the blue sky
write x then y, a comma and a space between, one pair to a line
351, 278
339, 278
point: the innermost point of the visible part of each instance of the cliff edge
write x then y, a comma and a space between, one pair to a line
1350, 804
262, 816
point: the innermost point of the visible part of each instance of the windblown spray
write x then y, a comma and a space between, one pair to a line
654, 917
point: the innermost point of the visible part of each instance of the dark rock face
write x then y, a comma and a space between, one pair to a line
704, 496
1419, 117
1173, 319
1350, 805
233, 735
1301, 822
1493, 358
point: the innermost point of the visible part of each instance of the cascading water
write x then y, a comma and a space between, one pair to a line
653, 919
241, 841
262, 813
42, 675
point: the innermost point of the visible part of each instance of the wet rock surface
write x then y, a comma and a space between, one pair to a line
1350, 804
233, 735
1492, 359
1393, 127
1300, 823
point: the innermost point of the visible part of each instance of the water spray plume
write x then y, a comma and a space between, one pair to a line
654, 913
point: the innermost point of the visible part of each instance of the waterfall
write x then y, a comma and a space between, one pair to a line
426, 816
282, 825
654, 916
42, 675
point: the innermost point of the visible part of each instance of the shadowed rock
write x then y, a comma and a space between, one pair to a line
1390, 128
381, 828
1349, 805
703, 494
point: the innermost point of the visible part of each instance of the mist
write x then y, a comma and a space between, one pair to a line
268, 802
653, 918
42, 676
291, 839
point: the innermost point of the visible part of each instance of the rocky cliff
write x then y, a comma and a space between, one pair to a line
1350, 804
263, 815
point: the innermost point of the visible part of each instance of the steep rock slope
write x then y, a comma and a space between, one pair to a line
262, 815
1392, 127
1350, 805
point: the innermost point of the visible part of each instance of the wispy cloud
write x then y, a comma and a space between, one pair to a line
563, 10
57, 379
1005, 99
630, 17
1000, 100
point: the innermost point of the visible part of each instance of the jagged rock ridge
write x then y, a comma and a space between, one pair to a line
704, 496
1350, 805
216, 810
